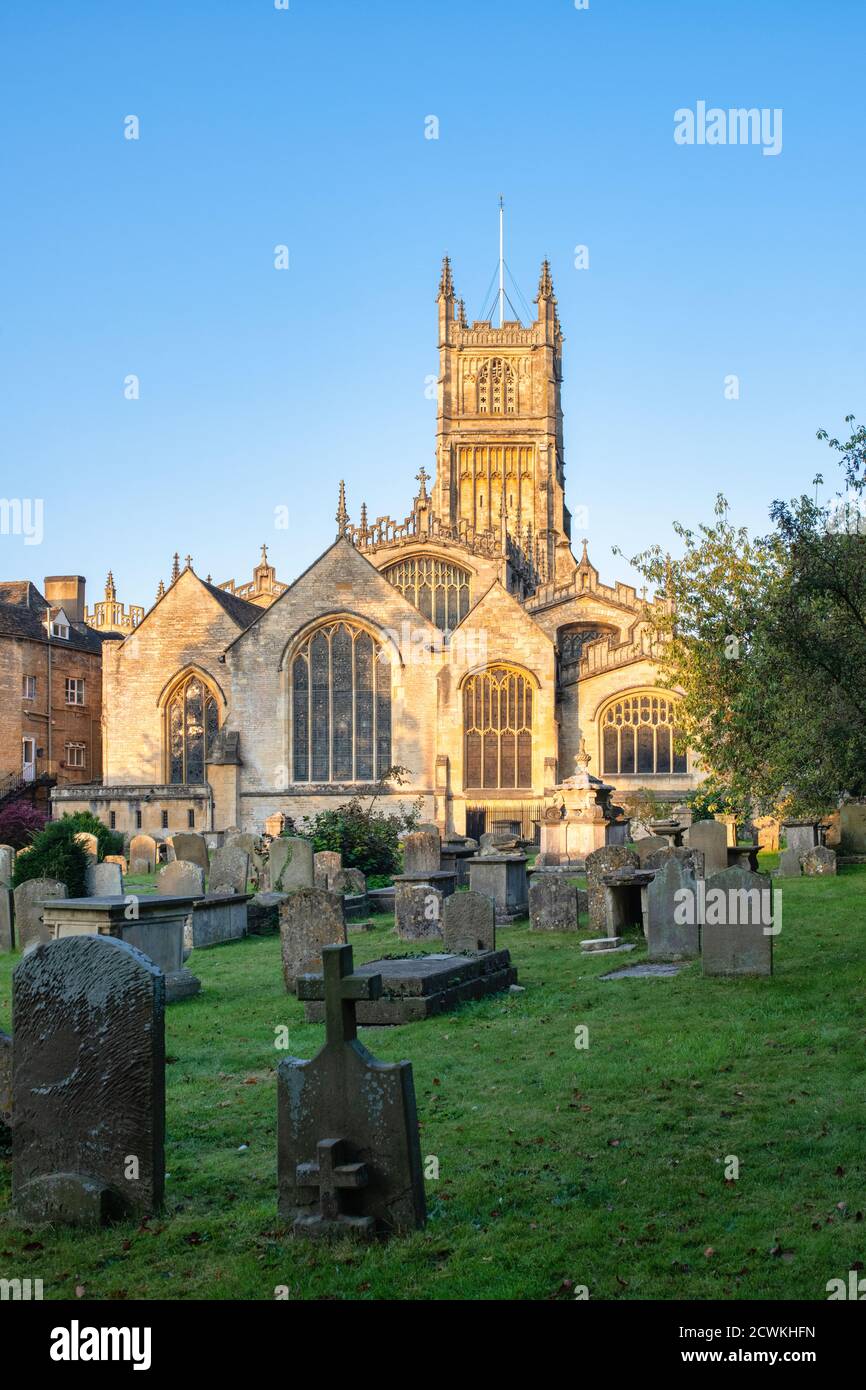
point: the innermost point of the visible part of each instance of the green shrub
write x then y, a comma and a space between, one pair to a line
55, 853
107, 841
368, 840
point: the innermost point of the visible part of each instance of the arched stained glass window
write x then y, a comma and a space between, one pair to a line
497, 729
192, 723
639, 734
437, 588
341, 707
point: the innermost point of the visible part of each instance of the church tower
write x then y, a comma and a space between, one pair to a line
499, 452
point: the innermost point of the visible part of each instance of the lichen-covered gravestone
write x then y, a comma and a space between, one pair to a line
672, 922
552, 903
189, 846
290, 864
142, 848
711, 836
417, 911
648, 845
28, 896
230, 868
422, 852
5, 1091
468, 923
789, 864
88, 1082
6, 936
104, 881
693, 858
737, 930
325, 864
7, 863
604, 861
310, 919
180, 880
349, 881
348, 1153
817, 861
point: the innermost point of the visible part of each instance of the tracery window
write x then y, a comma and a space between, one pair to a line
639, 734
497, 388
497, 729
192, 723
341, 706
437, 588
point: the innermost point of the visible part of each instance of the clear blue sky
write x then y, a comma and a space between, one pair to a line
261, 388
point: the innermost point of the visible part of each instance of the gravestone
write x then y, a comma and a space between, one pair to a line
274, 824
552, 903
852, 828
7, 863
290, 864
736, 935
422, 852
684, 853
789, 864
88, 1083
672, 922
817, 861
417, 911
180, 880
263, 913
349, 881
103, 881
711, 836
116, 859
7, 939
230, 868
89, 844
604, 861
348, 1152
419, 987
468, 923
189, 846
649, 845
5, 1091
142, 848
310, 919
503, 878
28, 897
325, 864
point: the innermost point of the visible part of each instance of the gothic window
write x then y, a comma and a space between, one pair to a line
639, 735
497, 728
439, 589
341, 707
192, 721
497, 388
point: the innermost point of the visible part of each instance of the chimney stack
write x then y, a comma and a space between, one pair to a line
66, 591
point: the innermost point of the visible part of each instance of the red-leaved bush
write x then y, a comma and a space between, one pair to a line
19, 820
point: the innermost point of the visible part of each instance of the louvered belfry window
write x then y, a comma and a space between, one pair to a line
341, 707
497, 725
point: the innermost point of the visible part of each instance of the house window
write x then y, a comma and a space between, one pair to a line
74, 691
28, 687
341, 707
192, 723
165, 820
639, 736
497, 729
190, 820
60, 629
138, 820
112, 820
76, 755
437, 588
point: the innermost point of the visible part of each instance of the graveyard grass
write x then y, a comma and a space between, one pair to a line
558, 1167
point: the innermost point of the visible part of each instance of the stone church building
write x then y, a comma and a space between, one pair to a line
467, 644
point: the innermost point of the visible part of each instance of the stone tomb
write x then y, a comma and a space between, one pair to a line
215, 919
736, 934
290, 864
552, 903
310, 919
152, 923
29, 915
711, 836
672, 921
604, 861
104, 881
348, 1152
468, 924
503, 878
417, 987
88, 1083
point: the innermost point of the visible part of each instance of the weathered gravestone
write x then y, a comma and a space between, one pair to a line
711, 836
116, 859
737, 928
348, 1153
604, 861
852, 828
694, 858
88, 1083
28, 898
290, 864
503, 878
673, 915
648, 845
7, 863
89, 844
422, 852
5, 1091
104, 881
552, 903
789, 864
417, 911
142, 848
349, 881
189, 846
817, 861
310, 919
326, 864
230, 868
419, 987
274, 824
6, 934
180, 880
468, 923
263, 913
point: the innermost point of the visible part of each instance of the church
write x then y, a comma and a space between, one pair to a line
466, 645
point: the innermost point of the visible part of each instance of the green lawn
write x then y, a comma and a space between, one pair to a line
602, 1167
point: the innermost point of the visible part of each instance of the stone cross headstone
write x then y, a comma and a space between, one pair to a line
817, 861
290, 864
180, 880
104, 880
88, 1083
326, 864
7, 863
737, 930
711, 836
7, 939
417, 911
189, 846
604, 861
310, 919
348, 1152
230, 868
468, 923
552, 903
422, 852
673, 929
28, 913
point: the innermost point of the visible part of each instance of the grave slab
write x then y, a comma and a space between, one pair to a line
418, 987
